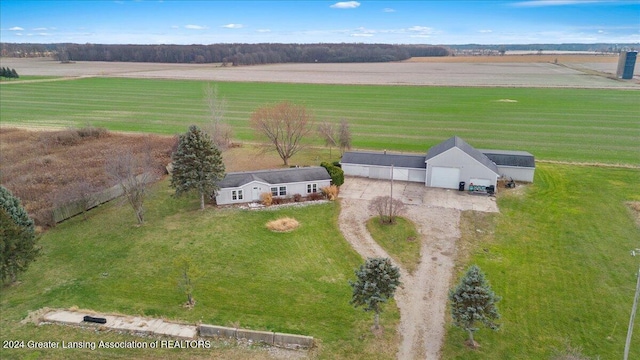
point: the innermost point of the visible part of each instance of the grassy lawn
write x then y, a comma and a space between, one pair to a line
559, 255
400, 240
588, 125
253, 278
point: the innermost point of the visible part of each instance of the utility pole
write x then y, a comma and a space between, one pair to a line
391, 197
633, 316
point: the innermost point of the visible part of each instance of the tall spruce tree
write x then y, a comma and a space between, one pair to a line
473, 301
377, 280
18, 239
197, 164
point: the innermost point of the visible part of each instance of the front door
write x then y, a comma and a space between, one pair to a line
255, 194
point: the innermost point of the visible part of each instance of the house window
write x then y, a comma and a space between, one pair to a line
274, 191
283, 190
312, 188
236, 195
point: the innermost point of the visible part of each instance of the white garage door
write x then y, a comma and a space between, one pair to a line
401, 174
445, 177
355, 170
417, 175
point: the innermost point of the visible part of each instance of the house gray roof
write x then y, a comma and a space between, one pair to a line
384, 159
273, 177
510, 158
462, 145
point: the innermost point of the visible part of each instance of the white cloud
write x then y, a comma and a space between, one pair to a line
264, 30
40, 29
388, 10
363, 32
487, 31
421, 29
233, 26
175, 27
195, 27
345, 5
16, 28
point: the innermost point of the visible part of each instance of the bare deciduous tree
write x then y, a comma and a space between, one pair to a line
82, 193
327, 132
344, 136
133, 174
387, 208
284, 125
188, 274
219, 131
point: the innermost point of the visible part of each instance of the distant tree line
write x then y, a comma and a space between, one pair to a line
8, 73
597, 47
227, 54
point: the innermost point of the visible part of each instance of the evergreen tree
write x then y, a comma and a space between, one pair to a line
336, 173
197, 164
473, 301
3, 72
17, 237
377, 280
14, 74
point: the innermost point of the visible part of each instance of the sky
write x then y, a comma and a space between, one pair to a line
390, 22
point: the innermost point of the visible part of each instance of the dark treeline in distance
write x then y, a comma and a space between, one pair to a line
227, 54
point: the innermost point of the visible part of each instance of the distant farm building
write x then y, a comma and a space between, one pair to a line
446, 165
626, 64
245, 187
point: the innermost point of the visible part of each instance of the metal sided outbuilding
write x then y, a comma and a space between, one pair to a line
377, 165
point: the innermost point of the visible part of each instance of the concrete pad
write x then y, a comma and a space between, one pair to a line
66, 317
413, 193
128, 323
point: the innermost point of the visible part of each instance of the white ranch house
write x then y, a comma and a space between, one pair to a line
246, 187
445, 165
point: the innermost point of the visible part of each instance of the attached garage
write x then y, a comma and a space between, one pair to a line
376, 165
445, 177
468, 163
516, 165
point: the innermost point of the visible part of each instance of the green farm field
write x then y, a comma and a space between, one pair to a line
576, 125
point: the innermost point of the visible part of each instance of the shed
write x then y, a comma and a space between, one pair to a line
244, 187
376, 165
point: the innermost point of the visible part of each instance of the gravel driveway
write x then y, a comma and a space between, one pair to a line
422, 298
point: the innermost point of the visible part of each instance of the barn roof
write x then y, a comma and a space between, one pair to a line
384, 159
510, 158
462, 145
273, 177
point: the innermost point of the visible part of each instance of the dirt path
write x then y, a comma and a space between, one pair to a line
422, 298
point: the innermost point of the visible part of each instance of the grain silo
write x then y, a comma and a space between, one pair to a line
626, 64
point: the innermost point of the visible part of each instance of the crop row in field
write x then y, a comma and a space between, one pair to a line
588, 125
